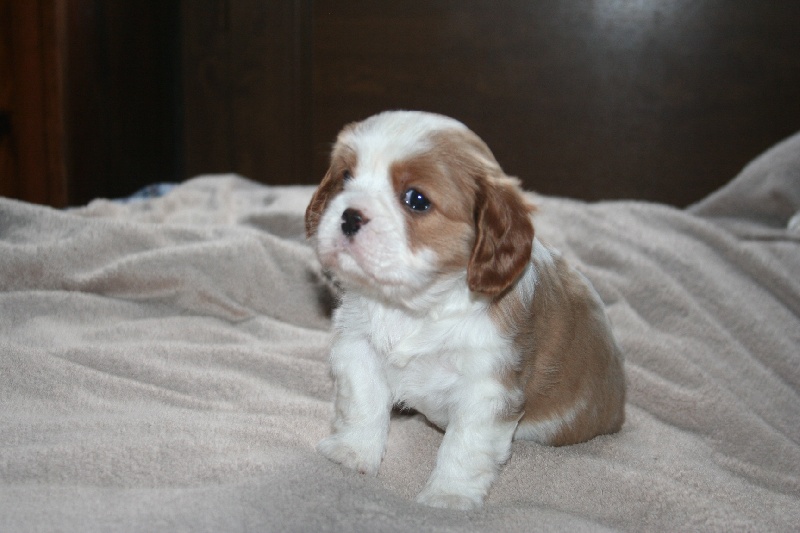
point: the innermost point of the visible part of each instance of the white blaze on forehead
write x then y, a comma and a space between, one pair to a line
392, 136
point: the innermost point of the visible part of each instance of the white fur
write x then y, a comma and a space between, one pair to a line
543, 431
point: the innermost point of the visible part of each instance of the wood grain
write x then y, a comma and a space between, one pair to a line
661, 101
246, 84
651, 100
33, 149
122, 106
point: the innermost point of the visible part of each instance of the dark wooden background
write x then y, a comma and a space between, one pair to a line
661, 101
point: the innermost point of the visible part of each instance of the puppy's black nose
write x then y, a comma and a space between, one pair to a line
352, 220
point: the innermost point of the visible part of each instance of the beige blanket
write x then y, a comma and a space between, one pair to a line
163, 368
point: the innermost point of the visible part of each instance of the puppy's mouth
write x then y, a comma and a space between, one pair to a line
377, 267
350, 264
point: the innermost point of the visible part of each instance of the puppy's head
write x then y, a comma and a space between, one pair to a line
412, 198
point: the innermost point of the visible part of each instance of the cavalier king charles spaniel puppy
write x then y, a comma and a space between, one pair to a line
451, 307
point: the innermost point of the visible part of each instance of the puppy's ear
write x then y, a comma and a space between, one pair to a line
503, 236
330, 186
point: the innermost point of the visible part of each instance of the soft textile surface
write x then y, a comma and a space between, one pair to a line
163, 368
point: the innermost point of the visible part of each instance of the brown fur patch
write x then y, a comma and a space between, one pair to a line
504, 235
567, 355
501, 216
342, 159
478, 218
446, 227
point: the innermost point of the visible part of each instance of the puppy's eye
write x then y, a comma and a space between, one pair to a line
347, 175
416, 200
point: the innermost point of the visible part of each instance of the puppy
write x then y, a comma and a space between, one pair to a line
452, 307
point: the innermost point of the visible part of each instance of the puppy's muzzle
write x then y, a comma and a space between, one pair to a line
352, 220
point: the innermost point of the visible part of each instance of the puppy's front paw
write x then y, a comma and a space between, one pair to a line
449, 499
352, 453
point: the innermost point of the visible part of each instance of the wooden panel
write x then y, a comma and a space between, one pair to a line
653, 100
32, 152
206, 74
8, 166
121, 96
246, 81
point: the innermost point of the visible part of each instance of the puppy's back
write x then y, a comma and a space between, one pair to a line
571, 368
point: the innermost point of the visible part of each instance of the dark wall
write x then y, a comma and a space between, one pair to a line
31, 104
247, 88
653, 100
122, 96
662, 101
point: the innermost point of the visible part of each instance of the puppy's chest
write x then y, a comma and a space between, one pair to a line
405, 342
430, 362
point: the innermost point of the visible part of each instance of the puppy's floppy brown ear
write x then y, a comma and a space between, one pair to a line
330, 186
503, 236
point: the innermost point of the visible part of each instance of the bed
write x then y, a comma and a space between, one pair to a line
163, 368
